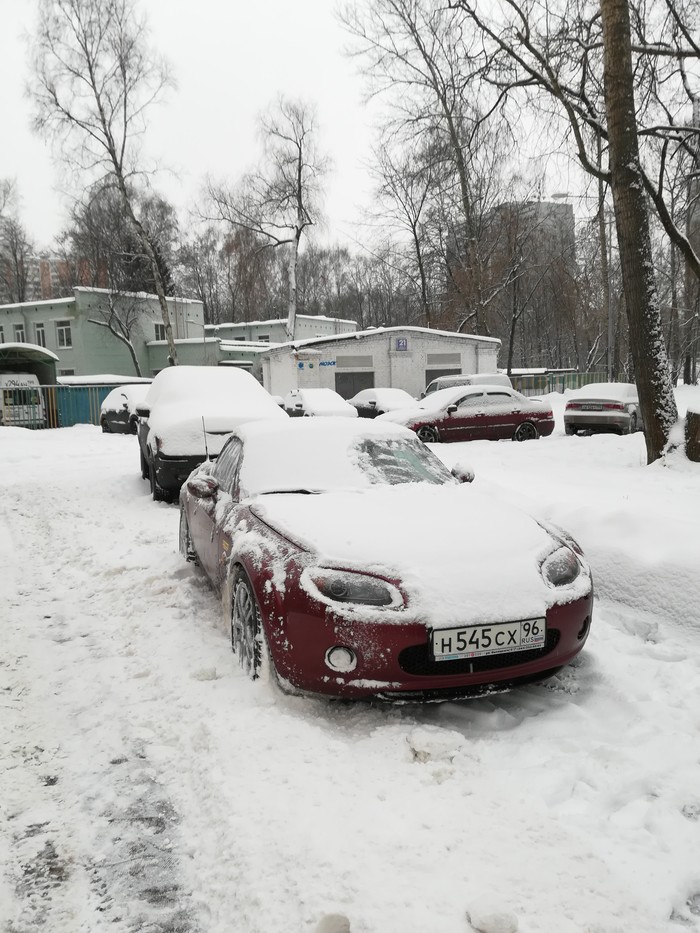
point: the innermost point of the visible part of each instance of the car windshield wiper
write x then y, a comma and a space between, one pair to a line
301, 492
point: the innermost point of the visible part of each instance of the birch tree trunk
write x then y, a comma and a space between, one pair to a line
656, 399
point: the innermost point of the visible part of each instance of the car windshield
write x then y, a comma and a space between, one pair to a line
322, 463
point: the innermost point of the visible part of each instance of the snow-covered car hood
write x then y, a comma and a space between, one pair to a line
461, 557
404, 415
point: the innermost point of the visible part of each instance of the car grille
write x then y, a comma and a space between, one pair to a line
418, 659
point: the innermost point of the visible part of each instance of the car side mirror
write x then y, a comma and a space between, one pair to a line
463, 473
372, 404
451, 409
202, 487
142, 411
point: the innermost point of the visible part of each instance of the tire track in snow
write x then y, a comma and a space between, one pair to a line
90, 824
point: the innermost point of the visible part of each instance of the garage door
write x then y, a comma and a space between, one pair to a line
349, 384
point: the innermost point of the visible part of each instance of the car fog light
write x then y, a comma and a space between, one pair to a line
584, 628
341, 659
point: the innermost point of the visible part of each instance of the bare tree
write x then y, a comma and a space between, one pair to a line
405, 185
16, 249
16, 252
95, 80
587, 59
122, 315
281, 201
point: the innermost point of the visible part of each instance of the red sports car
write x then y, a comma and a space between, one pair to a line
470, 413
352, 563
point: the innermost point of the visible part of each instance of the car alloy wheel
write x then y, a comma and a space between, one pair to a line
247, 637
526, 432
428, 434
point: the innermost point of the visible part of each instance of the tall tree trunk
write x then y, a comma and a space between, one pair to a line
656, 399
157, 277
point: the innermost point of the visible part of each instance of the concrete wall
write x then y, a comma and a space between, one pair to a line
397, 357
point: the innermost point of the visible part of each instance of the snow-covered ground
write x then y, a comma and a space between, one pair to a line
146, 785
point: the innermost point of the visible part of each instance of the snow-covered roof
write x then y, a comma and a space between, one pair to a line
373, 332
247, 346
100, 379
282, 320
84, 289
179, 340
27, 350
37, 304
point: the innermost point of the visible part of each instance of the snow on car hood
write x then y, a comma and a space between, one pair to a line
461, 557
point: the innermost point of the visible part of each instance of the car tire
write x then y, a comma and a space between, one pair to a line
134, 426
159, 494
526, 431
569, 429
144, 465
428, 434
633, 423
185, 538
104, 426
248, 640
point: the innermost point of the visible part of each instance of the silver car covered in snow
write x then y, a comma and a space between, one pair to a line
603, 406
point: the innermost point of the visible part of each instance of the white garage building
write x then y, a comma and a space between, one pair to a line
396, 357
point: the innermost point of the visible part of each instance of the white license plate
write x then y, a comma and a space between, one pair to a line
592, 407
477, 641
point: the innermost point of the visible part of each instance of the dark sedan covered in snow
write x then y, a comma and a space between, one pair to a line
186, 417
469, 413
118, 410
352, 563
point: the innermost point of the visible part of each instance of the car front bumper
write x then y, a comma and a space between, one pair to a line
394, 660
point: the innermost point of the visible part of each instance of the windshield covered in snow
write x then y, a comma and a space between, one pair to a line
297, 457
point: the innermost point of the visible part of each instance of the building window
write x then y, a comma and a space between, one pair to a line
160, 331
263, 338
39, 335
66, 372
19, 333
2, 335
63, 335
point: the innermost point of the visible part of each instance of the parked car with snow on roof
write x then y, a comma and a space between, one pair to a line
603, 407
352, 563
372, 402
468, 413
186, 416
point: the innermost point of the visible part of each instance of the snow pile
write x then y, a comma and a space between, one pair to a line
147, 785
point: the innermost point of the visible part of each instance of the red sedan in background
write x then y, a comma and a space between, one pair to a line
469, 413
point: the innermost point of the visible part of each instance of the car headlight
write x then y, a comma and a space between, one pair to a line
561, 567
342, 586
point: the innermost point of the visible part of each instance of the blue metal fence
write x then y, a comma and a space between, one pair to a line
55, 407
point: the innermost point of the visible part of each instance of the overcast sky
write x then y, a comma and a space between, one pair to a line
230, 59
